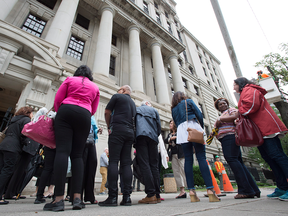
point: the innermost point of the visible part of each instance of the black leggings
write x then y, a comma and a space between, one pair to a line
47, 170
72, 126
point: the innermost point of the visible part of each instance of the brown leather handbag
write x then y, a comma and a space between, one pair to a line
193, 134
247, 133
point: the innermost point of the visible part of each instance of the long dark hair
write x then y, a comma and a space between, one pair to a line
242, 82
84, 71
177, 98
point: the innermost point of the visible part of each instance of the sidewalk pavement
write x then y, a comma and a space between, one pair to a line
171, 206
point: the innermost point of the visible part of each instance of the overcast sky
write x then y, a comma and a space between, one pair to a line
249, 41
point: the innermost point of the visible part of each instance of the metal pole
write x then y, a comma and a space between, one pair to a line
226, 37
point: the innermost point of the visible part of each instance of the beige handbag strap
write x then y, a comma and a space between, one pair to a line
5, 130
186, 113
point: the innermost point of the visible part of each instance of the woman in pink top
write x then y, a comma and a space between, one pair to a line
75, 101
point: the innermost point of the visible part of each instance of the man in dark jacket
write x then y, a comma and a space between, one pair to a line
148, 128
121, 138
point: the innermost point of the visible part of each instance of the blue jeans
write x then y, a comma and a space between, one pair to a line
233, 156
272, 152
188, 167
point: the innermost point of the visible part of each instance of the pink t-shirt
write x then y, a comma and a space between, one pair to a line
78, 91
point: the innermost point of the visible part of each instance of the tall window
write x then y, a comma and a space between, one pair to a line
172, 91
151, 62
216, 88
184, 83
200, 57
212, 77
191, 70
34, 25
176, 23
48, 3
166, 14
201, 109
112, 65
219, 83
169, 74
156, 5
197, 47
208, 82
114, 40
158, 18
145, 8
211, 59
196, 90
214, 71
75, 48
180, 62
185, 56
179, 36
82, 21
204, 70
204, 53
208, 65
169, 28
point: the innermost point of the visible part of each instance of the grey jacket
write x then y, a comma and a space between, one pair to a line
104, 160
147, 122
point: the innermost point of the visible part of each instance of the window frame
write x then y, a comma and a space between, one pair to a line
78, 41
112, 67
34, 21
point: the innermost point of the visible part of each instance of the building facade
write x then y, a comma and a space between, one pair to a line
136, 42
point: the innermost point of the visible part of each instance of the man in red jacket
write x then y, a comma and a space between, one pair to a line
253, 104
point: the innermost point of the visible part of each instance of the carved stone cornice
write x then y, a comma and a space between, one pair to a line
46, 69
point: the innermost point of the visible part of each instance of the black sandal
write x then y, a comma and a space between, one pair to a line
243, 196
3, 202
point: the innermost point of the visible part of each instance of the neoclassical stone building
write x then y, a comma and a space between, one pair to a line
136, 42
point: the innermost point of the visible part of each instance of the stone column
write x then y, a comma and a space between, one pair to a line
103, 45
135, 61
6, 7
60, 28
159, 73
176, 74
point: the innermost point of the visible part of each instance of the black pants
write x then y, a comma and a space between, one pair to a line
8, 161
47, 170
17, 180
120, 145
72, 126
147, 158
90, 165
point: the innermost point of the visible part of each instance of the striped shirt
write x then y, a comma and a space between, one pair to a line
226, 127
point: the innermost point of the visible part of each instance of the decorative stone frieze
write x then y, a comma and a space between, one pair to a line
5, 59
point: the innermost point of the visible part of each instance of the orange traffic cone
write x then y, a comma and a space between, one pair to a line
216, 187
226, 182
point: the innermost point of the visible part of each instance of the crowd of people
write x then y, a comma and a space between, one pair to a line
76, 102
